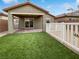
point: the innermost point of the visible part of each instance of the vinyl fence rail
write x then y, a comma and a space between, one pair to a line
66, 33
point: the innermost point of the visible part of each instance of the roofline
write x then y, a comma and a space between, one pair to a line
65, 16
22, 4
26, 3
2, 14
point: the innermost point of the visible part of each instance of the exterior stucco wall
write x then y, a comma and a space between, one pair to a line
38, 23
21, 23
45, 18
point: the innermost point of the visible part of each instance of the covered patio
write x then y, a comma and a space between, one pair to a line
25, 22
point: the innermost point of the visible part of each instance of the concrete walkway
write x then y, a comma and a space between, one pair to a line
3, 33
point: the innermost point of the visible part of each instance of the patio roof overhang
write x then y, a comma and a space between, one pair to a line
28, 14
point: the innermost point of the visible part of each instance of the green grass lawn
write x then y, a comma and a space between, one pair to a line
33, 46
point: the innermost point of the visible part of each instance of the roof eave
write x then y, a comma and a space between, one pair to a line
28, 3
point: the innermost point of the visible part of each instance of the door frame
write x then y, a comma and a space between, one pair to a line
29, 23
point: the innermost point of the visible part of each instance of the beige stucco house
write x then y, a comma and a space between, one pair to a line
30, 17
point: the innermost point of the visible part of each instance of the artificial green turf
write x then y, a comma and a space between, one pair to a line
33, 46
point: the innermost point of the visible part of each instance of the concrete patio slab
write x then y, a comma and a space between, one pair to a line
29, 31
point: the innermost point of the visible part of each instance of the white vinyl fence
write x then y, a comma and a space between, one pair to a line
66, 33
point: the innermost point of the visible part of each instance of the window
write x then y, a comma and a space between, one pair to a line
48, 20
70, 19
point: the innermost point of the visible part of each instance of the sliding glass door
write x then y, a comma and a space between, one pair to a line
29, 22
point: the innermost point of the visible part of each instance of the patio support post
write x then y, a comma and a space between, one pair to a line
10, 23
44, 24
